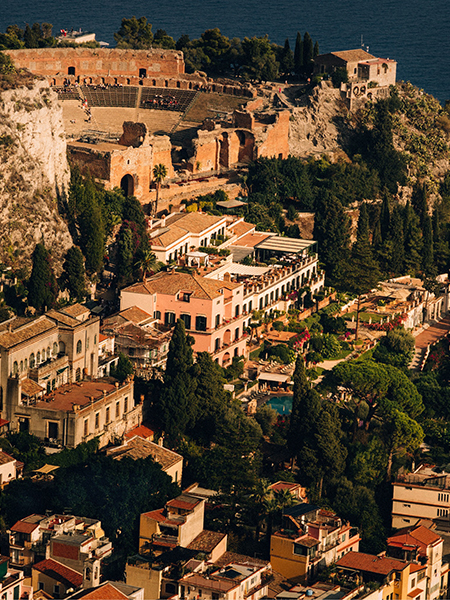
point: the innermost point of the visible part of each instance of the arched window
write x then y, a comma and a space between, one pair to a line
26, 364
55, 349
15, 368
32, 361
79, 347
78, 374
62, 347
43, 354
21, 366
38, 358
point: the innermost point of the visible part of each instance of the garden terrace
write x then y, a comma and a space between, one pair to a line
167, 99
111, 96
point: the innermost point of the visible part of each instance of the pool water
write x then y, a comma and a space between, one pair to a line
282, 404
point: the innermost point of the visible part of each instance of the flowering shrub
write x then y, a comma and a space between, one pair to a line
397, 321
300, 340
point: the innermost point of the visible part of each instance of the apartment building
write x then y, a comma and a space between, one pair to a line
310, 539
420, 544
422, 494
78, 543
391, 578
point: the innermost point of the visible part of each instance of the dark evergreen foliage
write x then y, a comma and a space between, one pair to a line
42, 286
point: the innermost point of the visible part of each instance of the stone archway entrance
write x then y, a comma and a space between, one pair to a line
127, 185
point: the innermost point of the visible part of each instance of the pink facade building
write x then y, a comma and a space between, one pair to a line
212, 310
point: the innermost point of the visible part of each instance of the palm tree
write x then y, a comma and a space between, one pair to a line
159, 174
147, 263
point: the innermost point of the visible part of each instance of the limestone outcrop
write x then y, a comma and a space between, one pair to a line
34, 175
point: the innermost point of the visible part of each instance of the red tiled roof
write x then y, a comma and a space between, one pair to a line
3, 422
60, 572
419, 537
183, 504
284, 485
104, 592
142, 431
22, 527
5, 458
371, 563
415, 593
157, 515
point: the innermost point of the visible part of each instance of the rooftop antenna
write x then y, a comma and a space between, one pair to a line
362, 41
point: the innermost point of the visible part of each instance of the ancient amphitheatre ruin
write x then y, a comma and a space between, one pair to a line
127, 110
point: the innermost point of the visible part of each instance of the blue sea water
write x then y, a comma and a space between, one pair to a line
413, 32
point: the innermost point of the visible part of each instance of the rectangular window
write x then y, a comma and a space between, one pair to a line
169, 318
117, 409
217, 320
16, 592
250, 306
236, 333
236, 312
97, 420
157, 315
125, 405
56, 591
86, 427
53, 430
217, 344
107, 415
200, 323
186, 320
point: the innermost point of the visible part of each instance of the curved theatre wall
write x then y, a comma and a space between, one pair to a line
103, 62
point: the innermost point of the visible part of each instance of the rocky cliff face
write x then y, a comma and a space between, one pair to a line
34, 174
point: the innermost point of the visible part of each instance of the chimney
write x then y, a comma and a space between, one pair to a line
161, 441
227, 277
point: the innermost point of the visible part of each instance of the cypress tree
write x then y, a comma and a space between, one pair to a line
287, 58
73, 277
397, 241
377, 240
332, 231
363, 272
413, 240
308, 53
177, 403
316, 49
42, 286
305, 410
298, 54
427, 248
385, 217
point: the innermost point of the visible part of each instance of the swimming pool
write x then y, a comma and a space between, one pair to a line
282, 404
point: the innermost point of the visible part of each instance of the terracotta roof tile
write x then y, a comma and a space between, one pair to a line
157, 515
142, 431
242, 228
135, 315
24, 527
197, 222
64, 397
137, 447
103, 592
170, 283
76, 310
251, 240
371, 563
30, 387
32, 329
169, 236
353, 55
5, 458
206, 541
59, 572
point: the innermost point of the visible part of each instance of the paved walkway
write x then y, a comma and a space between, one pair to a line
433, 333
